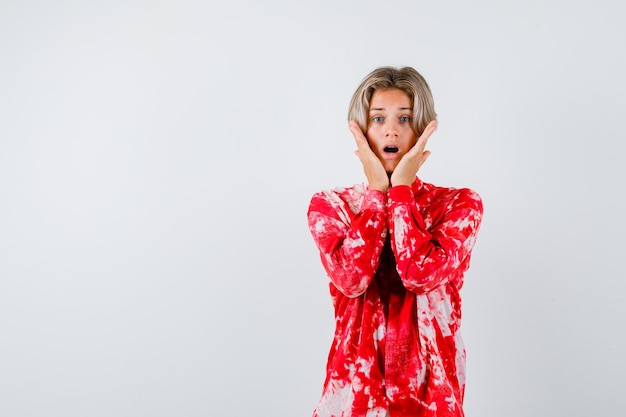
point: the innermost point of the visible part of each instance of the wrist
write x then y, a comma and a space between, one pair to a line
379, 187
400, 194
401, 182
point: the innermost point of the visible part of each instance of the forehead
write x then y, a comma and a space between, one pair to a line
388, 99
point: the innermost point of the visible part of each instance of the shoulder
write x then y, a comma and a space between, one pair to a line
452, 197
449, 192
338, 197
466, 195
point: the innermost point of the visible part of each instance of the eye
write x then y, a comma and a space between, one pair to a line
377, 119
405, 119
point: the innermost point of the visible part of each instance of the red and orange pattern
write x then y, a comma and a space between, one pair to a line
396, 264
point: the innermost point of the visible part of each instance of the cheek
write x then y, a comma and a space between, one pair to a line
373, 134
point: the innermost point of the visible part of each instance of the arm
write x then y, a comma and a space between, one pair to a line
426, 258
350, 244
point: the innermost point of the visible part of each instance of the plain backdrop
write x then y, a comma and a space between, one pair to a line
156, 163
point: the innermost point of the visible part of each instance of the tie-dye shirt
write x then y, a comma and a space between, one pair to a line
396, 262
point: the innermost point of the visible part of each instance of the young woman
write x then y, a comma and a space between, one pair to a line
395, 250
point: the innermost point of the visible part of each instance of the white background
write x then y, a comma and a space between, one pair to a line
157, 160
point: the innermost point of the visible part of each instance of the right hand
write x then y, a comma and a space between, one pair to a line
377, 177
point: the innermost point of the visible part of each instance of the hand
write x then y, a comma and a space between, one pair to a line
411, 162
377, 178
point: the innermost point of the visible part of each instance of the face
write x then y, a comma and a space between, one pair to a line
389, 128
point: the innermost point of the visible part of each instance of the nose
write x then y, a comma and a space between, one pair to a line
391, 128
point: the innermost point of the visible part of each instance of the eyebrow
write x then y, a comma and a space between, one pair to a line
382, 108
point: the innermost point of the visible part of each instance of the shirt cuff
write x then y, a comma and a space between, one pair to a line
374, 199
400, 194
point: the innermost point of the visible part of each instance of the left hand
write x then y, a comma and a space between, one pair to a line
411, 162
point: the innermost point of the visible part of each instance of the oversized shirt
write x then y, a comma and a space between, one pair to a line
396, 262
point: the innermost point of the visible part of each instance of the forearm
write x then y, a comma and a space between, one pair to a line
426, 257
350, 246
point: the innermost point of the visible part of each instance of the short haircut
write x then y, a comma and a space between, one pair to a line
406, 79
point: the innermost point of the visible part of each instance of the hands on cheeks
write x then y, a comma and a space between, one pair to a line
406, 170
377, 177
412, 161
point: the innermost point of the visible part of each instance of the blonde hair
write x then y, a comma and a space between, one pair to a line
406, 79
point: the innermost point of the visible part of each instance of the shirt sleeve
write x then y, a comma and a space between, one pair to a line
350, 243
427, 257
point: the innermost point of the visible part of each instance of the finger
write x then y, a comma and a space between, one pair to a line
359, 137
356, 131
425, 156
430, 129
423, 139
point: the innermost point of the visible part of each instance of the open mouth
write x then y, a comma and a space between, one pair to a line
390, 149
